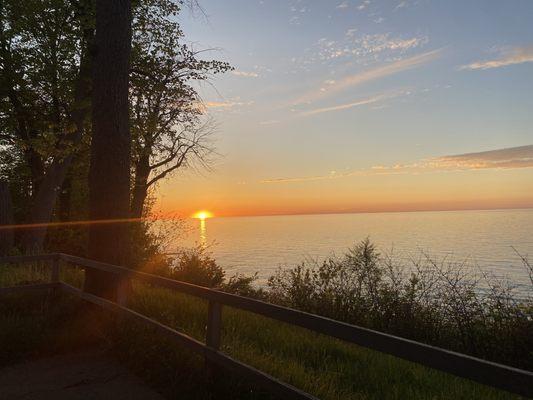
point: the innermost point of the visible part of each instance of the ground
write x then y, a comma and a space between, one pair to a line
86, 375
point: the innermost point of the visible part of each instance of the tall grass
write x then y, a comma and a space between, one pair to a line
323, 366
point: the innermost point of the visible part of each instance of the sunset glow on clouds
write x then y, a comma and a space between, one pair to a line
364, 106
517, 55
516, 157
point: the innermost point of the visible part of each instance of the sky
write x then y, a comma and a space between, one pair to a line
363, 106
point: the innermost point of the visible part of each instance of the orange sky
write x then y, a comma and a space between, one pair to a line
442, 190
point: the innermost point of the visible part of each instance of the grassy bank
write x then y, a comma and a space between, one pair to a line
320, 365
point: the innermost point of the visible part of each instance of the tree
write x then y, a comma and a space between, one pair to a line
46, 58
45, 62
168, 128
109, 173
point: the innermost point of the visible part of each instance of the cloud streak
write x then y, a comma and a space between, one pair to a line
513, 157
222, 105
517, 55
362, 102
371, 75
507, 158
245, 74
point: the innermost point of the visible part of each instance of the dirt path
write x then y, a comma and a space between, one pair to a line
88, 375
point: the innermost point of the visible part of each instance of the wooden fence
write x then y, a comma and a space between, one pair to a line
489, 373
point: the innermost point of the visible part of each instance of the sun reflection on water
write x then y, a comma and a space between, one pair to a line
203, 233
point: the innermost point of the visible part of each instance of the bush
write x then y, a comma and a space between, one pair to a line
436, 303
198, 267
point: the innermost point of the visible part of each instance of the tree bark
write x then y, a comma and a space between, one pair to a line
109, 172
140, 188
6, 219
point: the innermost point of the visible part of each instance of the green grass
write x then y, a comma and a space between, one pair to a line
325, 367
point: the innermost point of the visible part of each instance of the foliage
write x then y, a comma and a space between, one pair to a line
197, 266
440, 304
41, 47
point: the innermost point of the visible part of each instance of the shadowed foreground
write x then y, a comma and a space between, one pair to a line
83, 375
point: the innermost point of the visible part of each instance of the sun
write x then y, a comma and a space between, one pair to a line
203, 215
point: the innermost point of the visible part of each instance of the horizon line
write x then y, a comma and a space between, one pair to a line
282, 214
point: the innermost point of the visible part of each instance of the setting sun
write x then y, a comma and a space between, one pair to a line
203, 214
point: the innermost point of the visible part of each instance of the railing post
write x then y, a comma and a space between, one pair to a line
54, 275
213, 334
214, 322
123, 290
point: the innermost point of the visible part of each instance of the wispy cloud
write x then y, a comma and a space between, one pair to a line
401, 4
513, 157
364, 4
370, 75
364, 45
344, 4
362, 102
245, 74
223, 105
270, 122
507, 158
516, 55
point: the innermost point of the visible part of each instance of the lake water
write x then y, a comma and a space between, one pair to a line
262, 244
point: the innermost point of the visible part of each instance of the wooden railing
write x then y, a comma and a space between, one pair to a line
489, 373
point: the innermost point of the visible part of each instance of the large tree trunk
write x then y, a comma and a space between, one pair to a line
43, 205
6, 219
109, 173
46, 196
140, 188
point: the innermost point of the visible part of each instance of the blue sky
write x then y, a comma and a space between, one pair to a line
325, 90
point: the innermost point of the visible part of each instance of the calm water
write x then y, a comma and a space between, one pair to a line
262, 244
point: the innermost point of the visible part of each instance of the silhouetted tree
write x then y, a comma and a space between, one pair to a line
109, 173
168, 128
46, 59
45, 62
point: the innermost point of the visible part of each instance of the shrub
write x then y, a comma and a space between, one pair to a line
198, 267
437, 303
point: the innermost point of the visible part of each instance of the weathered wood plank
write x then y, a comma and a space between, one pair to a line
214, 325
123, 291
54, 274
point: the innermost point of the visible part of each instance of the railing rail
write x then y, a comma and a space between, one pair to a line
489, 373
